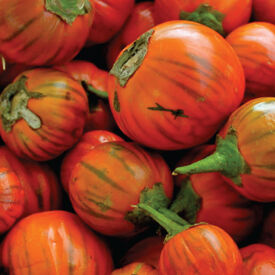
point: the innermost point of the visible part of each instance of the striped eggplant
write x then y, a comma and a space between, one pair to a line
174, 87
42, 191
12, 199
258, 259
43, 113
87, 142
54, 242
253, 43
194, 249
245, 152
110, 15
109, 180
95, 82
37, 32
207, 197
226, 14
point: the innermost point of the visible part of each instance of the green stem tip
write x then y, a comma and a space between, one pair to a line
207, 16
90, 88
227, 160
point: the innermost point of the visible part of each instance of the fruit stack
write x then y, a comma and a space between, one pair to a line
137, 137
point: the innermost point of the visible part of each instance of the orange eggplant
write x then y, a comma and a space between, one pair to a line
54, 242
174, 87
245, 151
253, 43
43, 113
37, 32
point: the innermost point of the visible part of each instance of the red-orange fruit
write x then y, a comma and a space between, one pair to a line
175, 86
54, 242
43, 113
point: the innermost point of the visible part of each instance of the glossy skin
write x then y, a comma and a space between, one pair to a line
108, 180
254, 125
32, 35
201, 250
12, 199
253, 44
135, 269
63, 245
87, 142
268, 230
188, 68
140, 21
99, 116
220, 204
236, 12
62, 110
41, 187
263, 10
145, 251
110, 15
259, 259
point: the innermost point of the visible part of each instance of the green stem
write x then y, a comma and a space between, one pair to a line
226, 159
68, 10
187, 202
207, 16
13, 105
172, 227
99, 93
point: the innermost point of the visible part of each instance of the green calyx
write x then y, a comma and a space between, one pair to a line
68, 10
207, 16
154, 205
227, 160
187, 203
155, 197
13, 105
131, 59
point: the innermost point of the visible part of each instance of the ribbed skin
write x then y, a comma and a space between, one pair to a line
110, 15
62, 110
236, 12
55, 242
87, 142
32, 35
42, 190
220, 204
11, 199
136, 269
188, 68
108, 180
99, 116
253, 43
140, 21
255, 126
259, 259
201, 250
